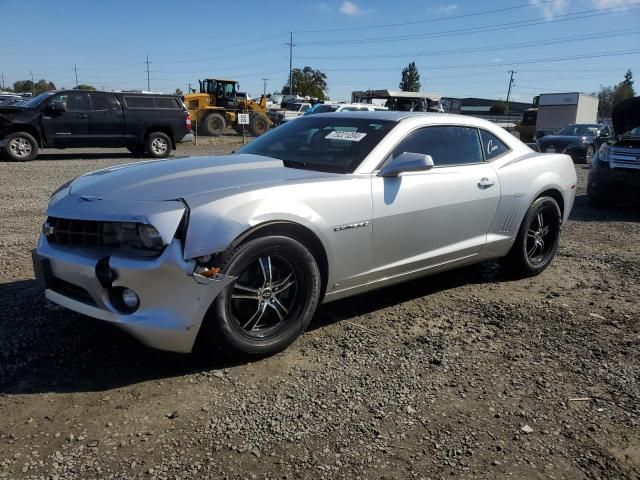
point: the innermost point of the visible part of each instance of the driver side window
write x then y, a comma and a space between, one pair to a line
446, 145
74, 101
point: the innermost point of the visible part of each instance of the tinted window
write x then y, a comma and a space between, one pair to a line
103, 101
446, 145
165, 102
73, 100
326, 144
492, 145
139, 102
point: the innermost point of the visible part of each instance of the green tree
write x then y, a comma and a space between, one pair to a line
610, 96
624, 89
605, 101
498, 108
307, 82
24, 86
84, 86
410, 81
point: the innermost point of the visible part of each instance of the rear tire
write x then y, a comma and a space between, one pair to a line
258, 124
158, 145
537, 240
214, 124
20, 147
271, 302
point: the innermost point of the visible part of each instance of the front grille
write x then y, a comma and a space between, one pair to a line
625, 156
80, 233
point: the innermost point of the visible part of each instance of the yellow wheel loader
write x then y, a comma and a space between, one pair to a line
218, 104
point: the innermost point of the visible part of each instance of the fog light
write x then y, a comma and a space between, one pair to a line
130, 298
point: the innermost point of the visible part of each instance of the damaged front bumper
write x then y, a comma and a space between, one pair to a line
173, 300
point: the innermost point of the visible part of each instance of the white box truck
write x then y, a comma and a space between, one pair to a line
557, 110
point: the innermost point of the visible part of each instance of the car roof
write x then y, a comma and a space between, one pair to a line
397, 116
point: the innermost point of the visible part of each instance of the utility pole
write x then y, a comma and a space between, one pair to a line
509, 91
188, 88
148, 80
264, 89
3, 81
75, 70
32, 82
291, 45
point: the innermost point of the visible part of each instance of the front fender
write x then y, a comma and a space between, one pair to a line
213, 226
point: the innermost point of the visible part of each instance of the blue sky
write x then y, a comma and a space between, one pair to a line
462, 48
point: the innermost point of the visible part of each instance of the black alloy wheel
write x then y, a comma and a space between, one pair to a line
538, 238
271, 302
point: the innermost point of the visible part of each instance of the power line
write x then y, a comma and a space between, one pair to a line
501, 64
551, 41
428, 20
470, 30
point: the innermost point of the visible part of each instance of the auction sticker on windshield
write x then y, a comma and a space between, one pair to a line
350, 136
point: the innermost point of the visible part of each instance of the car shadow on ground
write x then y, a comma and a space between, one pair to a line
45, 348
584, 211
71, 155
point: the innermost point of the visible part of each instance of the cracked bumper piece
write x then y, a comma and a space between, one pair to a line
172, 300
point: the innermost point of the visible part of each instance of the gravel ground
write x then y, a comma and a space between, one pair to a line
467, 374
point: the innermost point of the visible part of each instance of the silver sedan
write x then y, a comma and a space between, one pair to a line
241, 249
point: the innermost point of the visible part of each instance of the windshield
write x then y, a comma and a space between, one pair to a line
580, 130
35, 101
293, 107
322, 143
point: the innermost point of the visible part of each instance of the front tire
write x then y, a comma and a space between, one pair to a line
158, 145
588, 155
271, 302
20, 147
538, 238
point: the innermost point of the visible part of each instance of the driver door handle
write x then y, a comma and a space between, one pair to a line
485, 183
82, 115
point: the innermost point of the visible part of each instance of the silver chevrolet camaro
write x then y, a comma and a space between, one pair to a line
240, 249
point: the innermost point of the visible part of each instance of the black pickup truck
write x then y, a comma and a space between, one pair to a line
150, 124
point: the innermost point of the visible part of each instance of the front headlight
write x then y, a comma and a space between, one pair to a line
603, 153
135, 235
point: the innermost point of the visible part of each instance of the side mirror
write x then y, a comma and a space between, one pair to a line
58, 107
603, 134
407, 162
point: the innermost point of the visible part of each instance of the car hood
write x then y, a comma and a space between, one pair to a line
184, 177
562, 139
626, 115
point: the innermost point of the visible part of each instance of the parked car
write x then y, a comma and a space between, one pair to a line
615, 172
242, 248
291, 111
143, 123
343, 107
578, 140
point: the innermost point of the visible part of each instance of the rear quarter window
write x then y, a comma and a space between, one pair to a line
493, 147
152, 102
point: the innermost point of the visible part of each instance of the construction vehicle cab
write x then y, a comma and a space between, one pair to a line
218, 104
